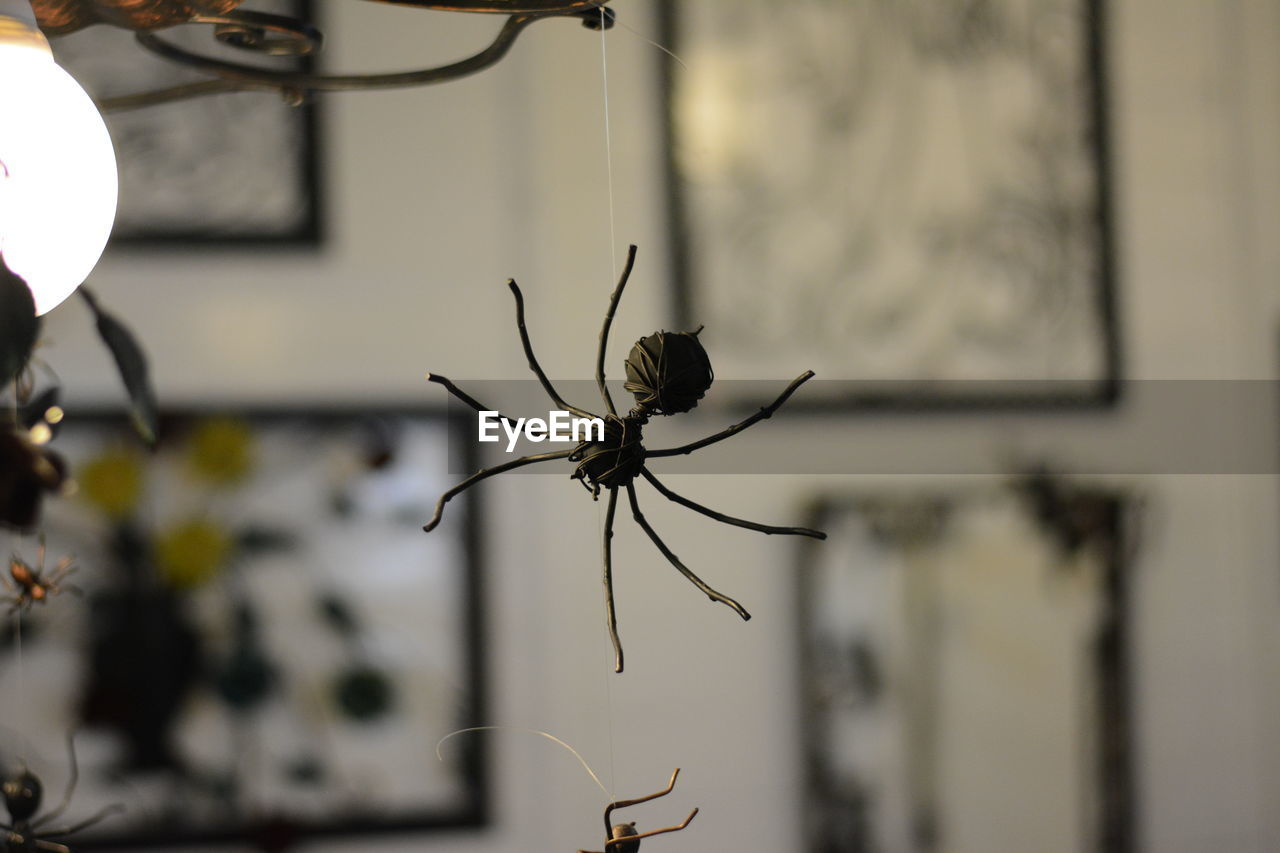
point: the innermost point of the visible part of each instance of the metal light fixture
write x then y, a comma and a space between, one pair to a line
284, 36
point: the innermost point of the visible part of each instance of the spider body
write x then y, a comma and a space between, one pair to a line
614, 461
667, 373
28, 584
23, 794
623, 837
28, 581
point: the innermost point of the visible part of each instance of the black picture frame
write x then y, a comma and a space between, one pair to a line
1068, 516
248, 166
470, 756
914, 394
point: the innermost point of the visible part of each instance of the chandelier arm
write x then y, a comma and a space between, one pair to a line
215, 86
284, 80
264, 33
507, 7
232, 76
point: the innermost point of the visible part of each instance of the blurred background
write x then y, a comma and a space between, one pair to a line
1083, 662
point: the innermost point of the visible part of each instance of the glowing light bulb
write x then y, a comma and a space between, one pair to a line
57, 167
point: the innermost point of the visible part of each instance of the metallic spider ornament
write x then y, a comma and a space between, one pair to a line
623, 837
667, 373
23, 793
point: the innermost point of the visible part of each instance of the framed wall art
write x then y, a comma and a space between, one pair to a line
909, 198
215, 170
964, 674
264, 645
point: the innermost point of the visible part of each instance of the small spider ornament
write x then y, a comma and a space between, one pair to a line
623, 837
23, 793
667, 373
28, 584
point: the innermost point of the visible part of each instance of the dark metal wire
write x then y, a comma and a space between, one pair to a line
533, 359
608, 322
631, 840
485, 474
279, 35
727, 519
675, 561
765, 412
610, 613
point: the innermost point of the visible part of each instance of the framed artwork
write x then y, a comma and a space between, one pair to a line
964, 676
218, 170
910, 198
265, 645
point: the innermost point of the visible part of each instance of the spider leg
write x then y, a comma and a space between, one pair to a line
71, 785
52, 846
608, 321
765, 412
533, 360
727, 519
67, 587
675, 561
15, 840
622, 804
652, 832
485, 473
463, 395
97, 816
65, 568
608, 580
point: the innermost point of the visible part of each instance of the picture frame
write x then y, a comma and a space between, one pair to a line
948, 247
294, 689
905, 614
216, 171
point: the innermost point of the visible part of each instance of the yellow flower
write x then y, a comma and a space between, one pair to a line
221, 451
112, 482
192, 552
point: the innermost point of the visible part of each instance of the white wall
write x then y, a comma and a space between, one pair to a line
437, 195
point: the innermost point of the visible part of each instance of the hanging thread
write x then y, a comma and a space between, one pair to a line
613, 262
608, 148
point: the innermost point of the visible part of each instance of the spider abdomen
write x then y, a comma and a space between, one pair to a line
668, 372
614, 461
21, 573
624, 830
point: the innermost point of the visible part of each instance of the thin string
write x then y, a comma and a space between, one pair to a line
17, 651
547, 735
613, 261
644, 38
17, 654
608, 147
